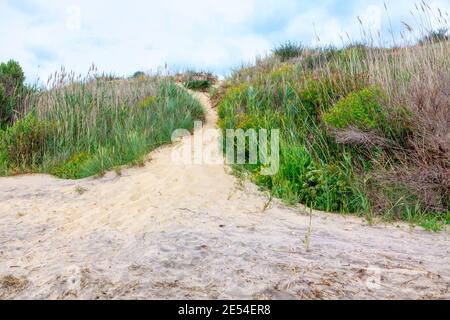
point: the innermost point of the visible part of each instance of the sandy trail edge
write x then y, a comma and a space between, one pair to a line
166, 231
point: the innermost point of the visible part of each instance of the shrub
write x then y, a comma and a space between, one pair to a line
325, 187
422, 163
138, 74
197, 84
288, 50
25, 140
363, 110
193, 80
11, 75
11, 88
71, 169
435, 36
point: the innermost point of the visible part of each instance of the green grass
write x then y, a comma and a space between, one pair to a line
100, 125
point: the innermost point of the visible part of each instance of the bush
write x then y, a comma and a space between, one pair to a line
72, 168
288, 50
24, 141
327, 187
197, 84
138, 74
435, 36
363, 110
11, 88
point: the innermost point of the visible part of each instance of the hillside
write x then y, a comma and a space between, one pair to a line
364, 129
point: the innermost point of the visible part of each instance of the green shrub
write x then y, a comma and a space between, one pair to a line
11, 88
197, 84
138, 74
435, 36
25, 140
288, 50
11, 74
363, 110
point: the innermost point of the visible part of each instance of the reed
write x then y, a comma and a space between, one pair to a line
96, 123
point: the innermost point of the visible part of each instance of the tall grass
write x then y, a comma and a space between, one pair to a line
364, 128
94, 124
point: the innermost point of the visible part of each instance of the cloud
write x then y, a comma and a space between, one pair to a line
122, 37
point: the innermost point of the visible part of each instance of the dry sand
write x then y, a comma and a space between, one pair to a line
194, 231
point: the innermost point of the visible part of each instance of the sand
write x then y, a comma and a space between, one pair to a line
195, 231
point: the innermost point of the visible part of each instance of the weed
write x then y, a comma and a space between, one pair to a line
80, 190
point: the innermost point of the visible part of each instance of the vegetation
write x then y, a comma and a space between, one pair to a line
198, 81
138, 74
435, 36
84, 127
288, 50
364, 129
12, 89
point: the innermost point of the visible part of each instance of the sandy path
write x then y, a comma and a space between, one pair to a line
166, 231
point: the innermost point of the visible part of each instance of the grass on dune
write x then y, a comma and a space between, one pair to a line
84, 127
364, 129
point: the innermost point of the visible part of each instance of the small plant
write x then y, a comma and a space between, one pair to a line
80, 190
268, 203
308, 236
118, 171
288, 50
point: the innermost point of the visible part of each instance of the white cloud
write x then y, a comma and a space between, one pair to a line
125, 36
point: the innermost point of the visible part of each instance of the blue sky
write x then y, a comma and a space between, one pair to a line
125, 36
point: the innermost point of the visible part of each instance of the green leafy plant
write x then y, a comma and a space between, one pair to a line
363, 110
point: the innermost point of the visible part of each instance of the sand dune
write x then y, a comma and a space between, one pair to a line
194, 231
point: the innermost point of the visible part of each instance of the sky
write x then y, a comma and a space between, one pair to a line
121, 37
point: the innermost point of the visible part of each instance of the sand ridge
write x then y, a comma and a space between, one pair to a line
195, 231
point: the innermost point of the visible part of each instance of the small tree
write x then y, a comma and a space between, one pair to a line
138, 74
11, 88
